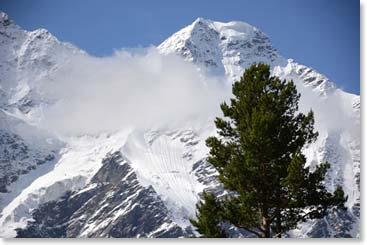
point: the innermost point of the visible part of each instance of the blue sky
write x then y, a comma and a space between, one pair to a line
323, 34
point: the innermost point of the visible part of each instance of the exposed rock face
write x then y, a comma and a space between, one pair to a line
17, 158
113, 204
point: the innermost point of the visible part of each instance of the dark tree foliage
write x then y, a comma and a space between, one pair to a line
258, 154
207, 223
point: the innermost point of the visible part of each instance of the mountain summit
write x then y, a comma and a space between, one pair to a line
145, 183
222, 47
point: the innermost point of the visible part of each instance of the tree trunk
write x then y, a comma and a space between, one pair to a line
279, 224
266, 227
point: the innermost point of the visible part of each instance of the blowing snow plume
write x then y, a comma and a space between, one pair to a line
140, 89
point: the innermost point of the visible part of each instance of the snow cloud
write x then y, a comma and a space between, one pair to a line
140, 88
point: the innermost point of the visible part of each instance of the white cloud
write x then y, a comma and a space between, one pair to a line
145, 89
140, 89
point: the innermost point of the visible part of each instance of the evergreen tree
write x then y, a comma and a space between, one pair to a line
258, 154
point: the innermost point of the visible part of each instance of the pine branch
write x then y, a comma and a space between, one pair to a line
251, 231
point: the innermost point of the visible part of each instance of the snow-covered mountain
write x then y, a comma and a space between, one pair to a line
145, 183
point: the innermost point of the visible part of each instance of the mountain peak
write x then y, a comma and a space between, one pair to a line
4, 19
229, 29
222, 48
201, 20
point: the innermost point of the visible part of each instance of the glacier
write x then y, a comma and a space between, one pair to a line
139, 182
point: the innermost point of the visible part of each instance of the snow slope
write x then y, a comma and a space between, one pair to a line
165, 165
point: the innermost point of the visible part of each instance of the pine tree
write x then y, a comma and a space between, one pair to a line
258, 154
